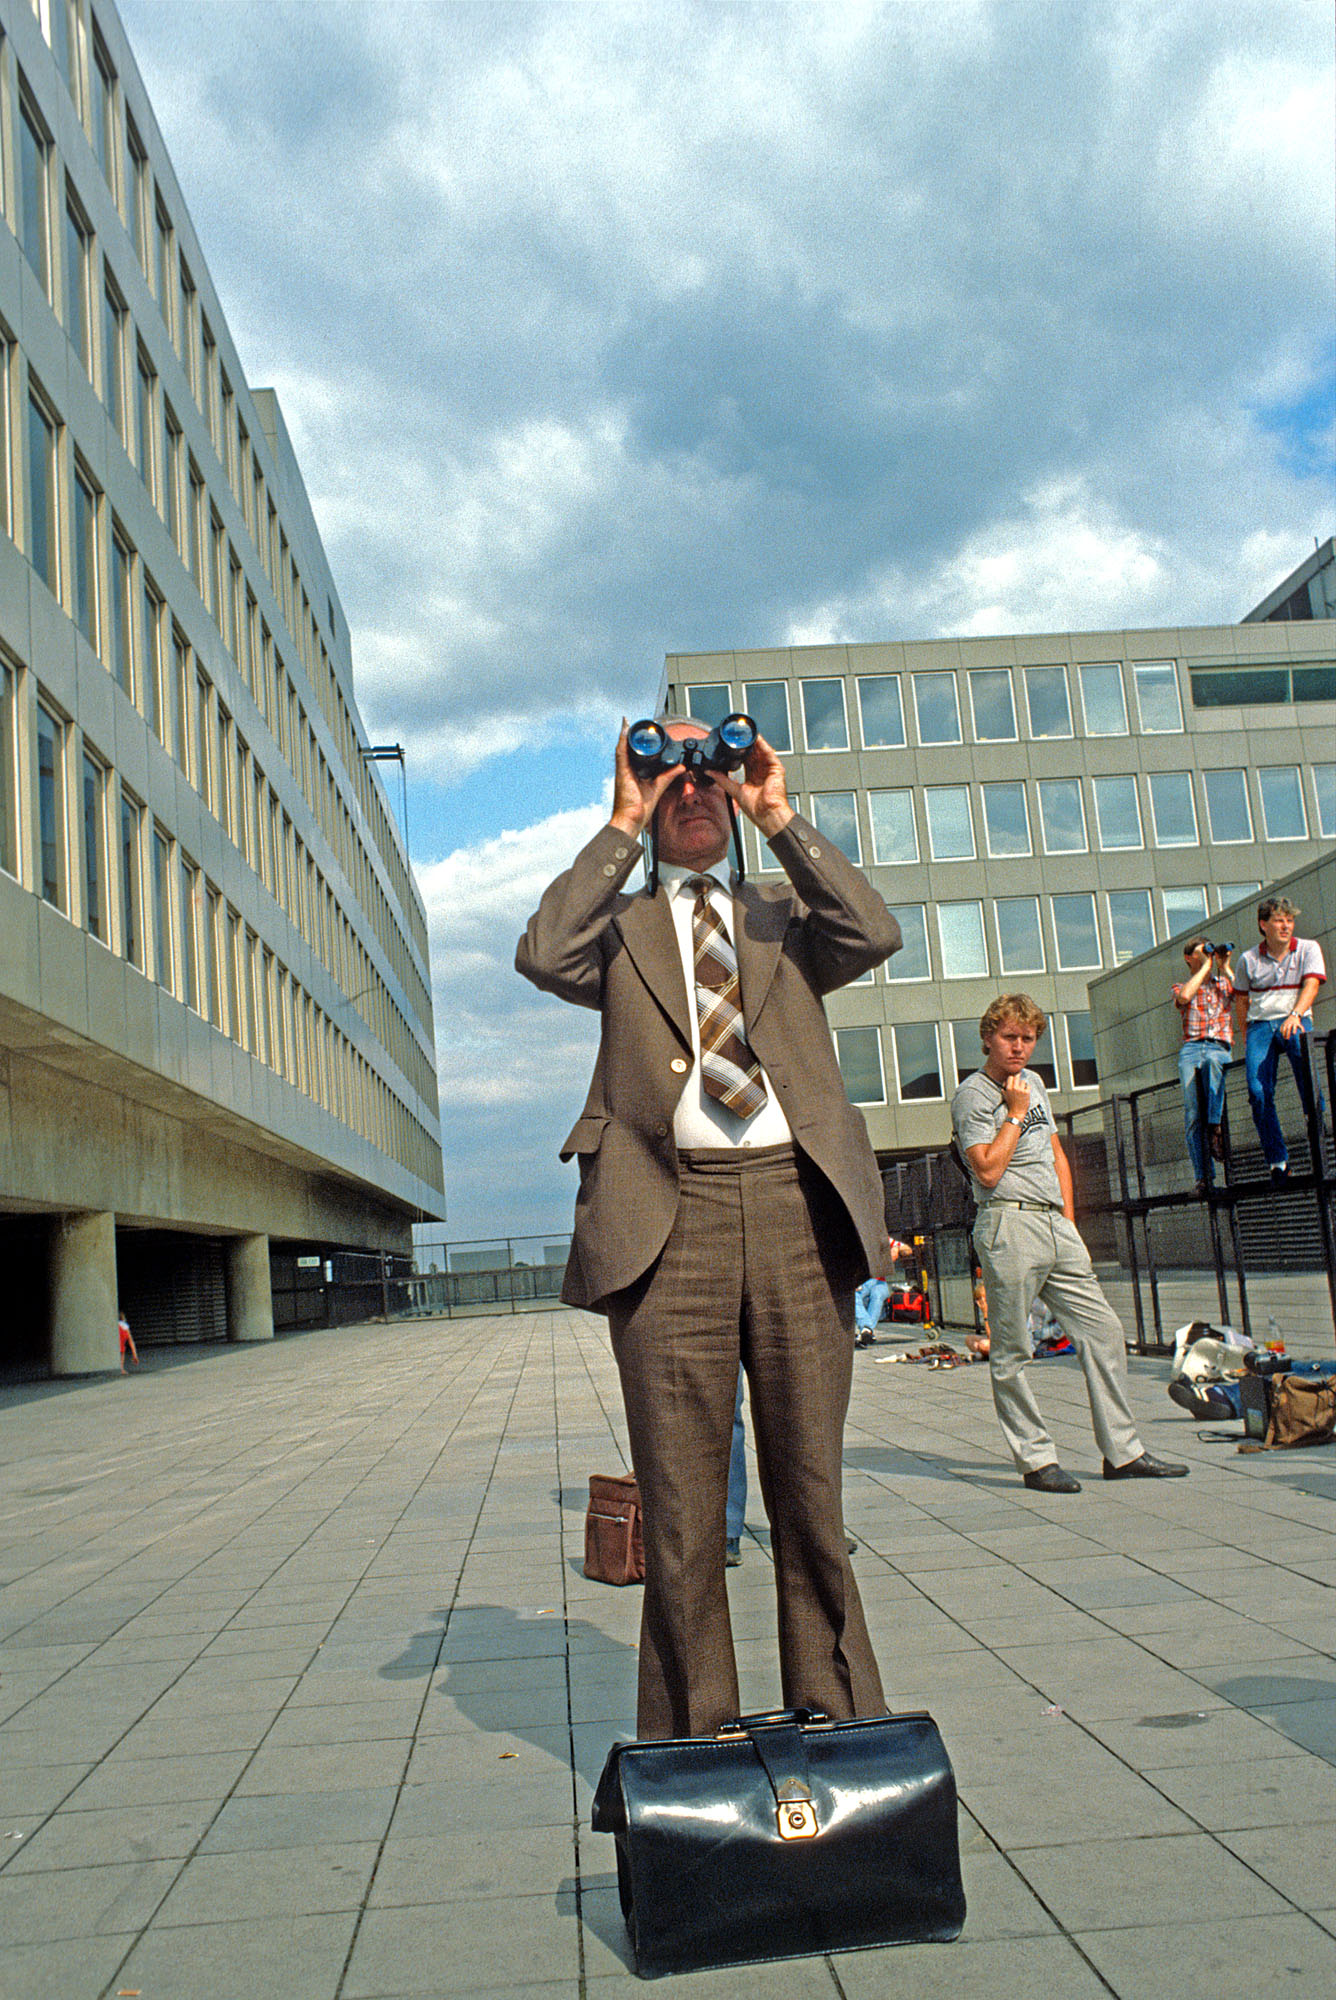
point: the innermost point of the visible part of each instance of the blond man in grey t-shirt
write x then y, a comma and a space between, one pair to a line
1028, 1247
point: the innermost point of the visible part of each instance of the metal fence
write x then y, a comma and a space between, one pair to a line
500, 1274
1247, 1252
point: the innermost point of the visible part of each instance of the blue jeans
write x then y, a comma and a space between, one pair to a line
869, 1299
1213, 1058
1263, 1052
735, 1511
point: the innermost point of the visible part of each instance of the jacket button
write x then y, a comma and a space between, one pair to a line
678, 1066
661, 1131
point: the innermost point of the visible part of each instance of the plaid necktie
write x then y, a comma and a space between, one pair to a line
729, 1070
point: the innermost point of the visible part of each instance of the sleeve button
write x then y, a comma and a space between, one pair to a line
609, 869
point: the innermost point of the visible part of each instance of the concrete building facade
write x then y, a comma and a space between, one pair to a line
216, 1034
1037, 809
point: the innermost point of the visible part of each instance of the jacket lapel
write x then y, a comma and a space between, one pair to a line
761, 918
646, 925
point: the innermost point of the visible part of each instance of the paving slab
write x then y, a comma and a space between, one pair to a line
303, 1690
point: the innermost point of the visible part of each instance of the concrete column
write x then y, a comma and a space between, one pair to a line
250, 1299
84, 1340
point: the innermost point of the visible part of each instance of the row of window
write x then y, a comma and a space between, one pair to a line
122, 613
102, 859
993, 709
928, 1058
58, 239
1059, 821
1007, 935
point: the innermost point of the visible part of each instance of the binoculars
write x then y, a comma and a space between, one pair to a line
652, 750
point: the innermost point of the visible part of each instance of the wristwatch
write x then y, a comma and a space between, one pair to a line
1013, 1121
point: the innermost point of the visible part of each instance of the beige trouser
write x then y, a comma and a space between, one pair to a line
1027, 1254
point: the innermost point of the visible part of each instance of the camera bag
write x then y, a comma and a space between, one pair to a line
614, 1542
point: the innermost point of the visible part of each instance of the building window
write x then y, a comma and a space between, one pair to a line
918, 1065
95, 847
180, 693
1117, 813
102, 111
203, 762
144, 385
34, 185
936, 708
992, 705
911, 961
1131, 924
1227, 811
835, 815
162, 228
151, 664
1043, 1062
825, 723
51, 807
1282, 802
1081, 1052
85, 556
78, 259
707, 704
171, 476
767, 703
162, 908
858, 1051
189, 915
1020, 941
8, 779
1062, 816
960, 936
1236, 892
213, 985
132, 895
113, 358
43, 524
186, 322
1102, 700
122, 644
1047, 700
1075, 933
967, 1048
135, 192
950, 827
1158, 705
1172, 808
1324, 790
231, 963
881, 716
1183, 909
1248, 686
894, 834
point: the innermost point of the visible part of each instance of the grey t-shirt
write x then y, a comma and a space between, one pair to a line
977, 1111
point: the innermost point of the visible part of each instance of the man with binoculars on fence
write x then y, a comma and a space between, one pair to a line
729, 1199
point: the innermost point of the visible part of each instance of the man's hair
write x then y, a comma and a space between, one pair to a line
1012, 1007
1277, 906
1196, 944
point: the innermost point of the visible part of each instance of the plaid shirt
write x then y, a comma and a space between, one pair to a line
1206, 1018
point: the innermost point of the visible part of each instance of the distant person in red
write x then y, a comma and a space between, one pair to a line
127, 1342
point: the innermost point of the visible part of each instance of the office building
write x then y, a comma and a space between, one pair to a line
216, 1043
1036, 809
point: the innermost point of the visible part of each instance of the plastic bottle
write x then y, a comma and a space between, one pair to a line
1274, 1342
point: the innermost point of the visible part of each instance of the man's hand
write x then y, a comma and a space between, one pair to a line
762, 791
633, 798
1016, 1097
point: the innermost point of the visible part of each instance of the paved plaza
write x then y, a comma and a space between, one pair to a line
304, 1692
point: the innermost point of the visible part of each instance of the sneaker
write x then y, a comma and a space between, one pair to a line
1280, 1174
733, 1552
1216, 1140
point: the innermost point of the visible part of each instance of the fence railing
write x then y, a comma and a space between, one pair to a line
497, 1274
1164, 1253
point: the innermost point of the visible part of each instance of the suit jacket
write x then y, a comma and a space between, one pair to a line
592, 944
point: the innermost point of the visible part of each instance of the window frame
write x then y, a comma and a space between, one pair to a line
823, 681
973, 673
1074, 783
1030, 677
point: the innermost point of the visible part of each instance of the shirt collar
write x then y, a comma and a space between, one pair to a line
674, 877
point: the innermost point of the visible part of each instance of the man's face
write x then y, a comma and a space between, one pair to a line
1277, 932
693, 820
1195, 954
1009, 1048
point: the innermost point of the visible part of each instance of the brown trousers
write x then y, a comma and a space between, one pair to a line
760, 1266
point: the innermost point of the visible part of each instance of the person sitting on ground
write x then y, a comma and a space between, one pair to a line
871, 1296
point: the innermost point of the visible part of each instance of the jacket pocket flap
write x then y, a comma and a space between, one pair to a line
585, 1136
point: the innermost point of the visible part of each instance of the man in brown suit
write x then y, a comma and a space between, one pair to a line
708, 1234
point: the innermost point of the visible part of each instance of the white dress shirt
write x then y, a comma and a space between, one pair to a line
700, 1120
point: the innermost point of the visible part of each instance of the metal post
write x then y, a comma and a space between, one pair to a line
1212, 1212
1115, 1106
1145, 1222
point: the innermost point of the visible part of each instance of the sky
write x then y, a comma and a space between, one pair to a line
609, 330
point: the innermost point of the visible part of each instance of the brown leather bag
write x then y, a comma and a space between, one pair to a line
1303, 1410
614, 1546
